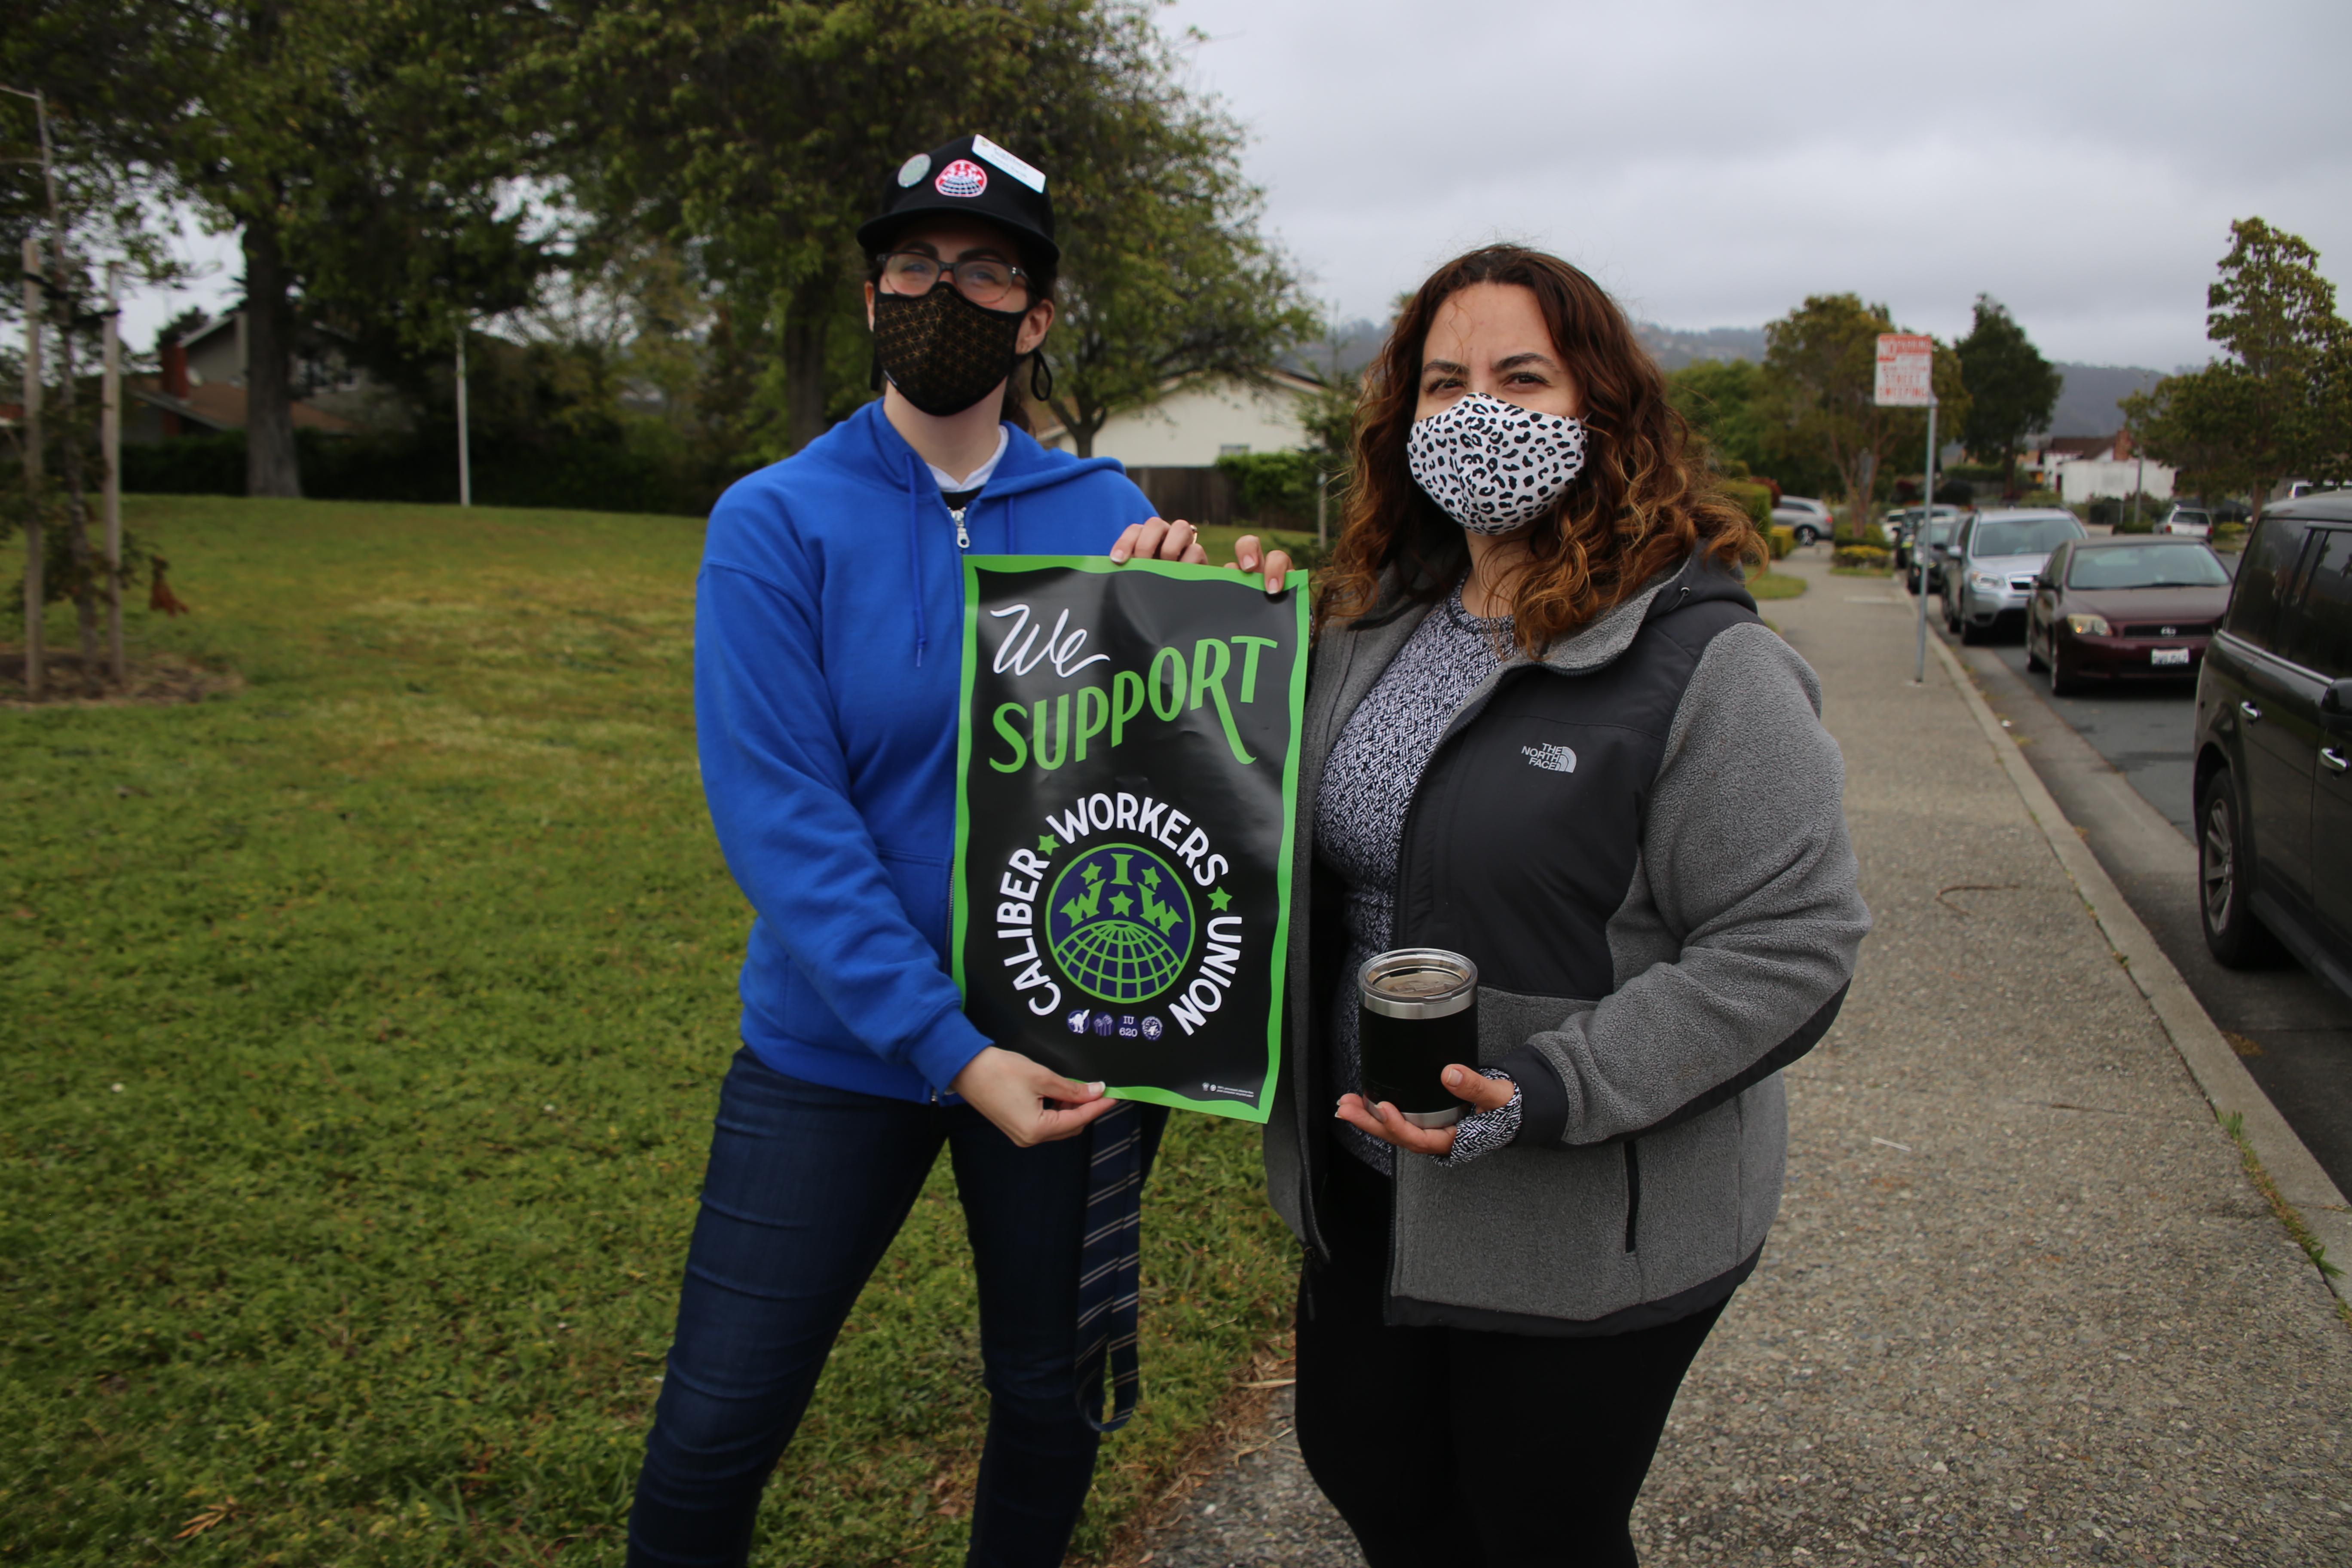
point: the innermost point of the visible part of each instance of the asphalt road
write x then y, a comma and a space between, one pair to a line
2294, 1033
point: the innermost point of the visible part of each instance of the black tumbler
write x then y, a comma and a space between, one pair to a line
1416, 1014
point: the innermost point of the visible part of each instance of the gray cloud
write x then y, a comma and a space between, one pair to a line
1714, 163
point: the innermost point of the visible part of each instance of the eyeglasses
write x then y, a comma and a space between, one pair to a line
981, 280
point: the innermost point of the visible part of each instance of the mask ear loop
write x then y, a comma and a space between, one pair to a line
1041, 376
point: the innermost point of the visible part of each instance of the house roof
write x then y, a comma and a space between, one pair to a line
220, 405
2081, 446
1278, 378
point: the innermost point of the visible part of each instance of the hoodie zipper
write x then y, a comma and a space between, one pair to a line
963, 538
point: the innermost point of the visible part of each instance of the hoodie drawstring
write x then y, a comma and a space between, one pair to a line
915, 551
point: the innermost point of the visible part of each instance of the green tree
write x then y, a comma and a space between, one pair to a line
1166, 279
363, 155
1820, 372
2012, 390
2277, 402
1725, 402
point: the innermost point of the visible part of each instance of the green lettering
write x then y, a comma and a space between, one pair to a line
1061, 731
1100, 707
1126, 701
1020, 746
1213, 682
1175, 682
1249, 664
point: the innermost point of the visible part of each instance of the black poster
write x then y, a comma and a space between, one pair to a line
1128, 758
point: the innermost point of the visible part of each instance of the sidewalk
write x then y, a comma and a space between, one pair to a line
2023, 1304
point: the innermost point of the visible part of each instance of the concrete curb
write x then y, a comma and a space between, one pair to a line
2226, 1084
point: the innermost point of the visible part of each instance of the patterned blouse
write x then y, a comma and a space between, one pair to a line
1367, 785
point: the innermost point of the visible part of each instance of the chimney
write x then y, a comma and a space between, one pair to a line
175, 370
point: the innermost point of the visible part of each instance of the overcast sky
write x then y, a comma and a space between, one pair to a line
1713, 162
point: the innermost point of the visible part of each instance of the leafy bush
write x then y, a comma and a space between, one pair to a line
570, 471
1862, 557
1277, 489
1956, 492
1752, 498
1780, 539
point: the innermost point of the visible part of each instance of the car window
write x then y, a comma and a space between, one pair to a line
2320, 635
2146, 566
1940, 530
2024, 536
2055, 567
2264, 573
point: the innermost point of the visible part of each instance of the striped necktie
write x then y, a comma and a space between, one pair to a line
1108, 1269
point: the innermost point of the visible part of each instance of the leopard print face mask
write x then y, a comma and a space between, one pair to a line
1493, 466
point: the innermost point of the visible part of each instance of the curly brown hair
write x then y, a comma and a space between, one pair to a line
1642, 503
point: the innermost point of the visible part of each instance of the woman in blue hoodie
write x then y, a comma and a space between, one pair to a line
827, 629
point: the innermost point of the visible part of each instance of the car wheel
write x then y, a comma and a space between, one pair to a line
1807, 536
1970, 634
2064, 682
2232, 934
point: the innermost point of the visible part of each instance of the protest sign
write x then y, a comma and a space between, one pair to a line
1126, 761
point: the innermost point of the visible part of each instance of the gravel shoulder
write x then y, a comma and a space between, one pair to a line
2023, 1304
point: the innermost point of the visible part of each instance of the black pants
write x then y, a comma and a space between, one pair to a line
1481, 1450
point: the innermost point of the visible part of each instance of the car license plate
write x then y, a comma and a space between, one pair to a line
2167, 655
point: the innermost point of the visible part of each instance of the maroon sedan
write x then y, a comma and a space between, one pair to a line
2131, 605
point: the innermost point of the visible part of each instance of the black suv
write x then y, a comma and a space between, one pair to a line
2274, 747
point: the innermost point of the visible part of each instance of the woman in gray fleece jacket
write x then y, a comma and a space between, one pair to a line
1545, 730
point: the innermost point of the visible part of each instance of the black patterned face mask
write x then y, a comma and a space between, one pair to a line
943, 352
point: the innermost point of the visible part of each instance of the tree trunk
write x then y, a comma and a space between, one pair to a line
807, 323
271, 464
2009, 473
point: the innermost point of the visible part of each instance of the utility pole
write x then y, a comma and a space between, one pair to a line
36, 594
465, 436
110, 437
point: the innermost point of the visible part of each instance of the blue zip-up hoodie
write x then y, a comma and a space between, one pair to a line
827, 667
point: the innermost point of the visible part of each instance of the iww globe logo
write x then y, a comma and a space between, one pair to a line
1118, 921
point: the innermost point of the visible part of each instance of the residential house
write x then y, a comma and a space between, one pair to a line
1170, 446
2081, 468
202, 388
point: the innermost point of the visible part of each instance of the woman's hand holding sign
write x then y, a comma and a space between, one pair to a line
1386, 1122
1028, 1102
1158, 539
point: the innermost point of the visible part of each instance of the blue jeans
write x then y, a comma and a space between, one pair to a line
807, 1187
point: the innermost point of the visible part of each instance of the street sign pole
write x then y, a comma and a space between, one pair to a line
1918, 542
1907, 379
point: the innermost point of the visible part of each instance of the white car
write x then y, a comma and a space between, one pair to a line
2188, 521
1809, 519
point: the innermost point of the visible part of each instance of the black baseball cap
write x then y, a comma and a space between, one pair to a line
967, 177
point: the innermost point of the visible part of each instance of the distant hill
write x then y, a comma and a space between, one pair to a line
2087, 405
1674, 349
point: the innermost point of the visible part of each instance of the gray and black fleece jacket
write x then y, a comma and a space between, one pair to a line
1661, 924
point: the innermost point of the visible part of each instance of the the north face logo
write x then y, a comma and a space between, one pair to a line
1556, 758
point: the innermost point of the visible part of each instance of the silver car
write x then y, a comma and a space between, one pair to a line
1989, 566
1809, 519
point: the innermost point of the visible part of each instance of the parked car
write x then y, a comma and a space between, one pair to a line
1934, 540
1810, 519
1989, 568
1902, 527
2194, 521
2124, 608
2274, 748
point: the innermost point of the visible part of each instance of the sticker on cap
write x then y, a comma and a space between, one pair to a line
1028, 174
962, 178
914, 168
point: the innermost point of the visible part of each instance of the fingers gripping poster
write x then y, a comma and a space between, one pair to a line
1128, 753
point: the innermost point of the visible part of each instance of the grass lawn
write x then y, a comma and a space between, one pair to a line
1770, 584
363, 1035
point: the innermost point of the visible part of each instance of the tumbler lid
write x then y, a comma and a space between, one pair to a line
1417, 982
